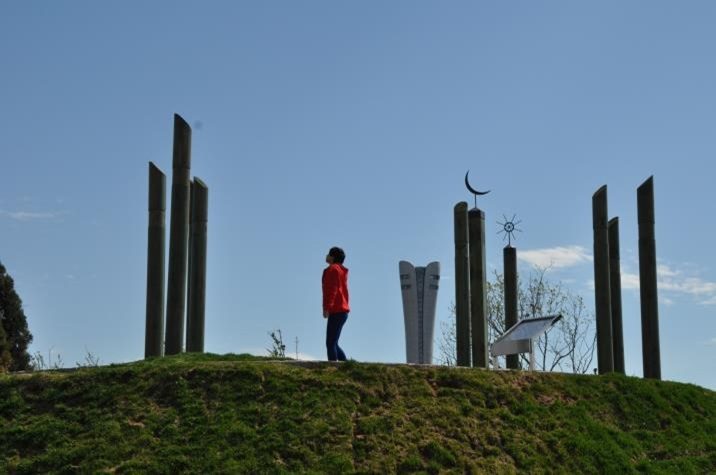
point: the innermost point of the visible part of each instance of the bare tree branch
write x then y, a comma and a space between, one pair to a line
569, 346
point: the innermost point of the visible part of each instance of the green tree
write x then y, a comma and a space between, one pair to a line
14, 323
5, 358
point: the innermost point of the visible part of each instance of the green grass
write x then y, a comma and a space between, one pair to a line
242, 414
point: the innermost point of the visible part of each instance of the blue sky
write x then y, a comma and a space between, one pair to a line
352, 124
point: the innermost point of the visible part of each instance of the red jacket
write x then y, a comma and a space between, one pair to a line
335, 289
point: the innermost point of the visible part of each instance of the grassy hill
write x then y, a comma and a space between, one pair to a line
237, 414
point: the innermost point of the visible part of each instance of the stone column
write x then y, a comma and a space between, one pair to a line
178, 238
154, 332
462, 285
615, 282
188, 264
602, 294
509, 255
478, 288
647, 280
197, 269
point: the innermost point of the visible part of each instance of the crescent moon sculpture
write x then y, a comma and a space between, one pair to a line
473, 190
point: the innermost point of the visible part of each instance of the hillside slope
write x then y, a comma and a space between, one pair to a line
238, 414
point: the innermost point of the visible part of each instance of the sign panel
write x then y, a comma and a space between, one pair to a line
518, 339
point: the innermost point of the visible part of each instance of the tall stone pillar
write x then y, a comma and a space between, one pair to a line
154, 332
478, 288
419, 287
615, 282
647, 279
196, 302
602, 292
462, 285
189, 247
509, 255
178, 238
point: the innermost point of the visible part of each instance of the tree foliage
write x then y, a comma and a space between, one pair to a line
568, 346
5, 359
14, 324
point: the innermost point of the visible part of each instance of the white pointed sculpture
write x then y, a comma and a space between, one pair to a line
419, 286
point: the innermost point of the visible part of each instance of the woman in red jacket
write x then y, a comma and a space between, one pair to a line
335, 301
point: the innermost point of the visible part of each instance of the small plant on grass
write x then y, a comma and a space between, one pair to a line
278, 347
91, 360
39, 363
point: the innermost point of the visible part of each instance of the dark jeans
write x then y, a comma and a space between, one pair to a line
333, 333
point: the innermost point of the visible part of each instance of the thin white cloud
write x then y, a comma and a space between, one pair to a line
630, 281
711, 342
676, 281
556, 257
690, 285
31, 215
664, 271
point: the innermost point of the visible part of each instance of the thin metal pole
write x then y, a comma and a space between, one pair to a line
532, 356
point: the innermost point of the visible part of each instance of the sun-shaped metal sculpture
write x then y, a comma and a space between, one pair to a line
509, 228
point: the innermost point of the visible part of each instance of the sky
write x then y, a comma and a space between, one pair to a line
323, 123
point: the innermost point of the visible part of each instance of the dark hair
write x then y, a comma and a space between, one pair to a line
337, 254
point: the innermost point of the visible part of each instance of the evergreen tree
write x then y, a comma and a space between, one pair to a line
14, 324
5, 359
